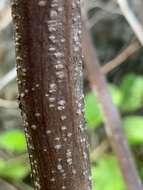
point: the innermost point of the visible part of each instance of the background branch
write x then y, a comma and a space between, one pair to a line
113, 124
132, 20
119, 59
11, 75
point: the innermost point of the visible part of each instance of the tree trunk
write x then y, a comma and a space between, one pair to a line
49, 67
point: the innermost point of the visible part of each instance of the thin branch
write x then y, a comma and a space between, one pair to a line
123, 56
99, 151
132, 20
11, 75
5, 18
98, 17
111, 116
108, 7
8, 104
107, 11
22, 186
6, 185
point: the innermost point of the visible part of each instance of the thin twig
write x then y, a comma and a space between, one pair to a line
5, 18
110, 6
131, 18
9, 104
100, 150
11, 75
111, 116
131, 49
106, 8
6, 185
22, 186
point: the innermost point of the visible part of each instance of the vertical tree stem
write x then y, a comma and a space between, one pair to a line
49, 68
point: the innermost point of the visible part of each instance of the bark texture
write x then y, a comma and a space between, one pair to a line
49, 68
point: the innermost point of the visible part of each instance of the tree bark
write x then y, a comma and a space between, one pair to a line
49, 69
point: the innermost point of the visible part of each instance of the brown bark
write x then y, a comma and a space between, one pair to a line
49, 67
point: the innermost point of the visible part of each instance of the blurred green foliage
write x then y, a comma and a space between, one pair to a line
128, 97
132, 92
13, 141
93, 115
133, 126
16, 167
106, 174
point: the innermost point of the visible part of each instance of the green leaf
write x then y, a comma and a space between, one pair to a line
13, 140
2, 163
14, 169
133, 126
141, 172
132, 89
106, 175
93, 115
116, 95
